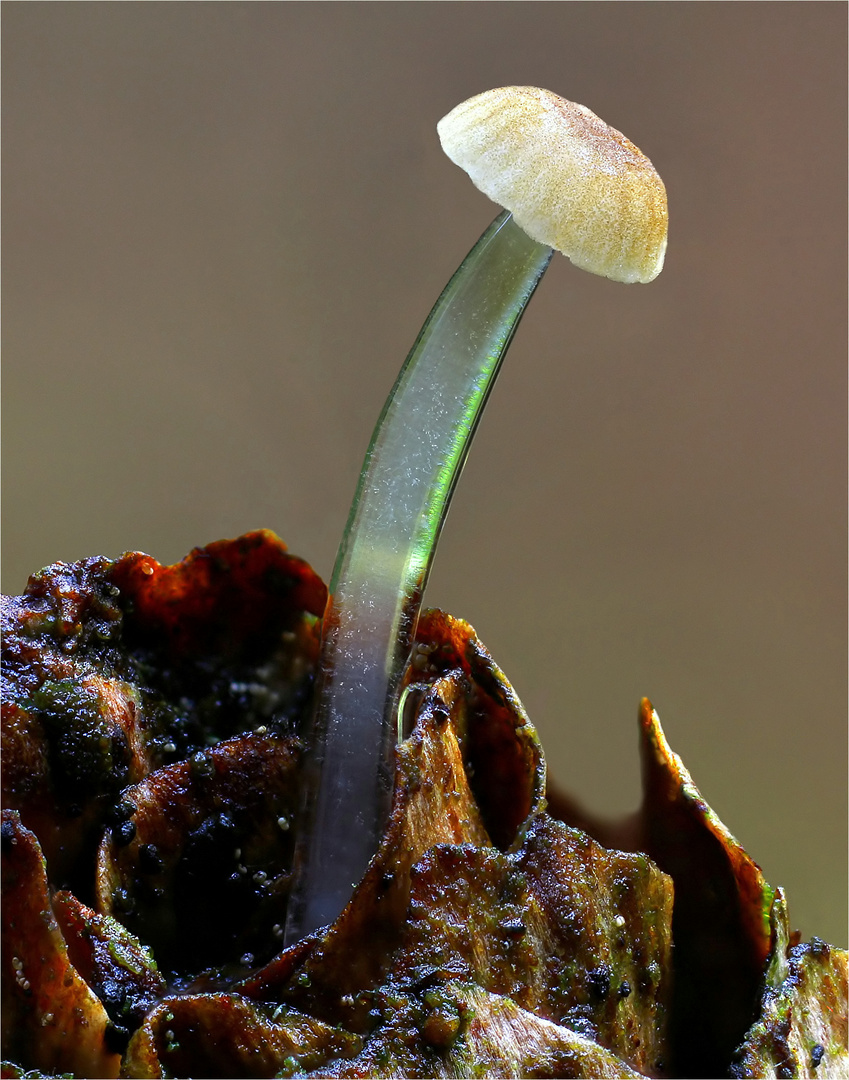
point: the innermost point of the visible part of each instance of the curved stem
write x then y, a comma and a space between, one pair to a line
412, 465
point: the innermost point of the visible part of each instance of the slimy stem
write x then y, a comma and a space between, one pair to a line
411, 467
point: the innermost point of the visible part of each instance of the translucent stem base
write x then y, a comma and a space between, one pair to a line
412, 465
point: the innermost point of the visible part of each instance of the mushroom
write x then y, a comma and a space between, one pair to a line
568, 181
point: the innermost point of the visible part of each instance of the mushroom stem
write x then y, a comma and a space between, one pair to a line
416, 455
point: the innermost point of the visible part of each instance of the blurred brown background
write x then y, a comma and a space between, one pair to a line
224, 225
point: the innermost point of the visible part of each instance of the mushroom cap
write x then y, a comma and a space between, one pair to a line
571, 181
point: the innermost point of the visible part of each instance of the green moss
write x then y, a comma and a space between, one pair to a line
89, 752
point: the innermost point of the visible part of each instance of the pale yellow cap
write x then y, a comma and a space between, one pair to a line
571, 181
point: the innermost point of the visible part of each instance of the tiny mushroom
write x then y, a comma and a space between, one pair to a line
570, 182
569, 179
